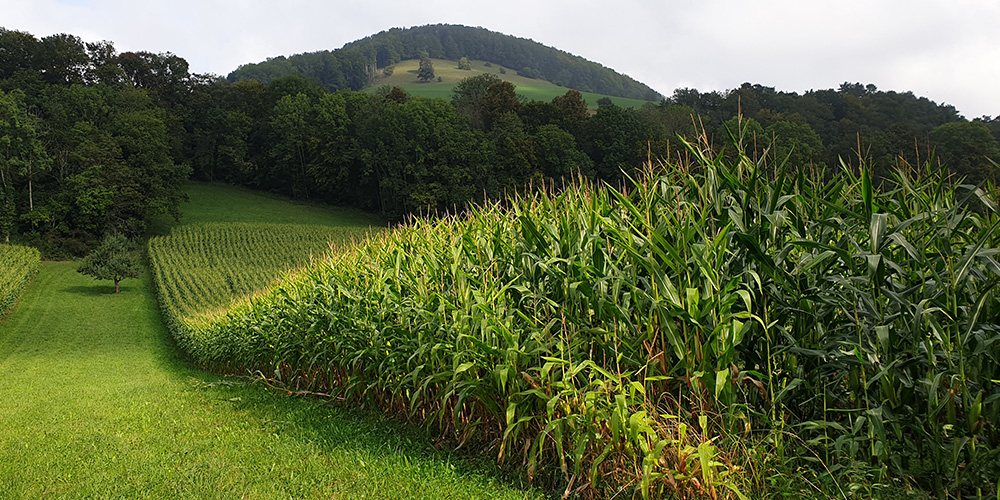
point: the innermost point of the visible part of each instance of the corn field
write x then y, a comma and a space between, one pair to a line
202, 269
644, 341
19, 266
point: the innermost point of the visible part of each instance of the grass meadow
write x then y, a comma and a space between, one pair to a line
221, 203
405, 77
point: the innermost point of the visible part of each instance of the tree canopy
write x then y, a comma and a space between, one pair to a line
88, 139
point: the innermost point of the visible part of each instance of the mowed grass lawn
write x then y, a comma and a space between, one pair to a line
97, 402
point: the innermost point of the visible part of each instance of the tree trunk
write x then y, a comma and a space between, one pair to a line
117, 288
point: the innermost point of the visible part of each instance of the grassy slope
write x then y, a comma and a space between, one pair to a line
405, 77
99, 403
223, 203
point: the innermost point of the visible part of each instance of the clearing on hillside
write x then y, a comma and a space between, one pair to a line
404, 76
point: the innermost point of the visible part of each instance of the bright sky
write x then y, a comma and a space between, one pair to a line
945, 50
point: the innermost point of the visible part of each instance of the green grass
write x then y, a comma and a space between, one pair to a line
99, 403
220, 203
405, 77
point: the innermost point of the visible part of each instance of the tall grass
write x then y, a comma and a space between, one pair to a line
18, 265
640, 339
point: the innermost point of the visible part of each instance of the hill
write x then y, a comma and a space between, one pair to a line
404, 76
358, 64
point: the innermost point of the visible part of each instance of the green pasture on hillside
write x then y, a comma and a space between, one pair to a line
404, 76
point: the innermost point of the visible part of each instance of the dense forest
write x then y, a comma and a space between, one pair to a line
89, 139
94, 140
356, 65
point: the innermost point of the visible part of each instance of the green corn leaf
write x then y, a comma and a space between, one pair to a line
967, 260
900, 240
788, 388
669, 329
867, 190
721, 381
984, 297
511, 410
877, 231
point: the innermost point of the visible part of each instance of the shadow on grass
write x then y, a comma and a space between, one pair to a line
336, 425
93, 290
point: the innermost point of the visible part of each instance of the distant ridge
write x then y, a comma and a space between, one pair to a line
356, 64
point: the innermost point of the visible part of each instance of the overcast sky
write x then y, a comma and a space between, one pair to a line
945, 50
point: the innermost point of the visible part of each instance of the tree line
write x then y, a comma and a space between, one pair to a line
855, 123
397, 154
93, 141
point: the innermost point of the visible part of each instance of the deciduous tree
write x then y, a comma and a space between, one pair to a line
967, 148
467, 96
115, 258
426, 71
7, 213
21, 153
797, 142
499, 100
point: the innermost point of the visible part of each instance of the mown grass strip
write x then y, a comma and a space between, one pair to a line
98, 403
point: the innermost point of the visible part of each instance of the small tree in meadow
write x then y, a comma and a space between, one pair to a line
115, 259
426, 71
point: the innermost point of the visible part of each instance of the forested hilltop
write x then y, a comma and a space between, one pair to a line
94, 140
358, 63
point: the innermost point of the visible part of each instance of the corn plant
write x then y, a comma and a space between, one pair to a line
202, 269
634, 340
18, 265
